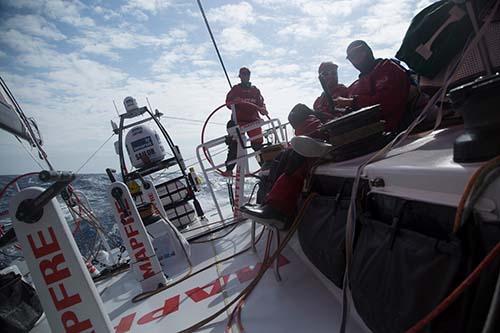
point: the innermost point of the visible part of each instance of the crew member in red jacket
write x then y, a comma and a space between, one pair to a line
248, 103
324, 104
381, 81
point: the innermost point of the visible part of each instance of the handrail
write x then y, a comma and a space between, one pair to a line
242, 159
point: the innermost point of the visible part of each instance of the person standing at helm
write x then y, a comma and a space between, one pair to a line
248, 103
381, 81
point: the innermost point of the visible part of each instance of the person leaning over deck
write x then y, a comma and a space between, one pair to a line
240, 96
381, 81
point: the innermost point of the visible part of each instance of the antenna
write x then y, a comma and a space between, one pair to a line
118, 113
150, 108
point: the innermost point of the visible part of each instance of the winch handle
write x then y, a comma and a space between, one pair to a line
31, 210
58, 176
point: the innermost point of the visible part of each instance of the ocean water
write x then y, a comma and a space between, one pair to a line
94, 186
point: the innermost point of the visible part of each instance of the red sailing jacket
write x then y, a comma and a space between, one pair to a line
321, 103
245, 113
388, 85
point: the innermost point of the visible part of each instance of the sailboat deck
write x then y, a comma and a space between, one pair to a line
300, 302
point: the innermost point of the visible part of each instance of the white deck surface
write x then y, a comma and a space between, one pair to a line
301, 302
422, 169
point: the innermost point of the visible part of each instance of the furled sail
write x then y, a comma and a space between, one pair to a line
11, 122
14, 121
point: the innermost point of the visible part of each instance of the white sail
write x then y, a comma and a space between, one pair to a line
11, 118
10, 121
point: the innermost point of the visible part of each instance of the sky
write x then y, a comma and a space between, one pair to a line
68, 62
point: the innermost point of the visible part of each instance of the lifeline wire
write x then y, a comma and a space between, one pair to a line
192, 120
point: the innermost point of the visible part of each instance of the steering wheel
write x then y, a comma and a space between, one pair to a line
203, 136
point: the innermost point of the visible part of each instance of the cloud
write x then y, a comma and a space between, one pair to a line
234, 14
32, 51
274, 3
21, 42
109, 41
34, 25
60, 10
274, 68
327, 8
178, 34
106, 13
68, 12
179, 58
306, 28
312, 19
236, 40
316, 7
152, 6
82, 76
375, 28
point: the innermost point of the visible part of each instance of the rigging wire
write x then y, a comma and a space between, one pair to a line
92, 156
192, 120
180, 118
29, 153
213, 41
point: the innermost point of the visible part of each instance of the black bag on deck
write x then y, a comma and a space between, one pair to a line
434, 37
405, 262
438, 34
20, 307
322, 233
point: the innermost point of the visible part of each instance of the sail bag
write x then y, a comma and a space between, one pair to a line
20, 307
405, 262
